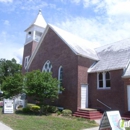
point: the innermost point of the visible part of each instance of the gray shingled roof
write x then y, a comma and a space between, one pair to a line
112, 57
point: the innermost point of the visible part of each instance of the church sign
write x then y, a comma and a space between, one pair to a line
111, 121
8, 106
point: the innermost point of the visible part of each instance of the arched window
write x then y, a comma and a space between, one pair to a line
47, 67
104, 80
60, 78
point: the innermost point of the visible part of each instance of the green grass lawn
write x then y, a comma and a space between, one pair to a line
33, 122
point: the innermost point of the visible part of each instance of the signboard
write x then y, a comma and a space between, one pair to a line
110, 121
105, 124
8, 106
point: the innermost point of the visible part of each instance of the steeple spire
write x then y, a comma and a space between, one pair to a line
36, 29
39, 20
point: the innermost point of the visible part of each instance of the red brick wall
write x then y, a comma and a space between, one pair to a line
83, 65
59, 54
28, 50
113, 97
74, 68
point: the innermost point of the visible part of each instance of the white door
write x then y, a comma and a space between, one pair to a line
128, 97
84, 96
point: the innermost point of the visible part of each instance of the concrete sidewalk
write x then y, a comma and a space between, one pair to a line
4, 127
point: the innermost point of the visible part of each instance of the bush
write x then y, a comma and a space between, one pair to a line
66, 112
45, 109
31, 108
26, 110
52, 109
35, 108
58, 112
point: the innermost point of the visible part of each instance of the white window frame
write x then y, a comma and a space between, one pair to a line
26, 60
49, 67
104, 80
59, 78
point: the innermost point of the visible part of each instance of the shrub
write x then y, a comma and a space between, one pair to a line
31, 108
45, 109
66, 112
35, 108
26, 110
58, 112
52, 109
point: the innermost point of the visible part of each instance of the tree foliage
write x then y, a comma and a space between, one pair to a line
12, 85
41, 85
8, 68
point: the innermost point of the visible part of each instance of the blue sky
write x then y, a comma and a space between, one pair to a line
99, 21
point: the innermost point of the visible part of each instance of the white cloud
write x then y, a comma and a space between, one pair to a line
111, 25
11, 52
119, 8
75, 1
6, 1
112, 7
18, 54
95, 1
33, 5
3, 36
6, 22
8, 48
97, 31
86, 3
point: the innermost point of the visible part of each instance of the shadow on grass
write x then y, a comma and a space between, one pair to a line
20, 112
32, 113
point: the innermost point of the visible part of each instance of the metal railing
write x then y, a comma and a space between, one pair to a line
103, 104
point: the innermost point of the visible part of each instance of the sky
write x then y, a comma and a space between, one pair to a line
99, 21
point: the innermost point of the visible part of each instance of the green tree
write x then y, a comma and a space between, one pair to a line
12, 85
8, 68
41, 85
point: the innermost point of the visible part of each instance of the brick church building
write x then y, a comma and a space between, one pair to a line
92, 77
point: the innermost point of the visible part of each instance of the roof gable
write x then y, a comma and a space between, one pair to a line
76, 44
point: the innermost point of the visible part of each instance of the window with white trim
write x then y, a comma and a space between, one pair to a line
60, 78
37, 36
104, 81
26, 60
47, 67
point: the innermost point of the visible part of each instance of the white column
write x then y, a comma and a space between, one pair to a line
34, 34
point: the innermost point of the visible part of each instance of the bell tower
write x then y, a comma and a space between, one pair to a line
35, 30
33, 36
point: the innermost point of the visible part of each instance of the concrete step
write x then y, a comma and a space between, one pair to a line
88, 113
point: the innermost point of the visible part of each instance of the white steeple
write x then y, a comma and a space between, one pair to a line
35, 30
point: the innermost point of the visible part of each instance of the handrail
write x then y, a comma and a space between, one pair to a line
103, 104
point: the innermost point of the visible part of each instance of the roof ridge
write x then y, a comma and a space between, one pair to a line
113, 43
76, 43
